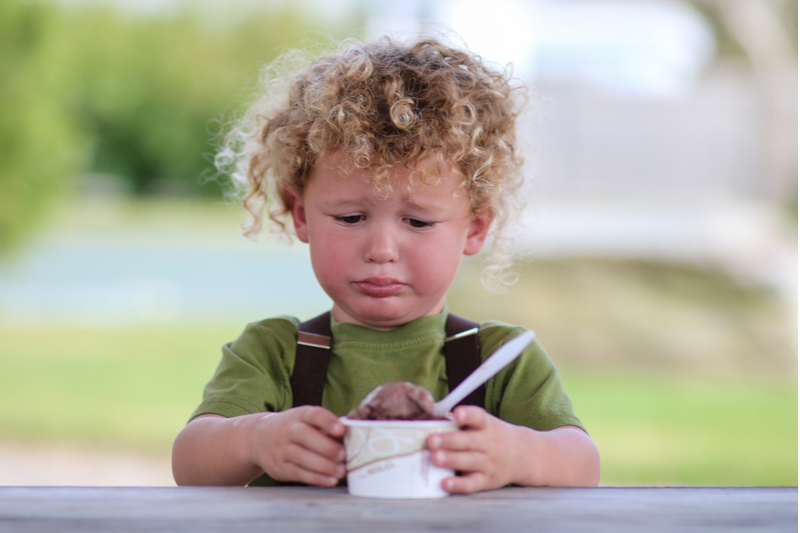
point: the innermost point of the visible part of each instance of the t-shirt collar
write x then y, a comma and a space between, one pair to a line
423, 326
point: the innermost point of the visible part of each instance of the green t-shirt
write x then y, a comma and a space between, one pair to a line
253, 375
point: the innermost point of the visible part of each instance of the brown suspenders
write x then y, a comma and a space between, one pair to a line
311, 360
461, 350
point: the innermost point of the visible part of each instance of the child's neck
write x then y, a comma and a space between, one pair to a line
340, 315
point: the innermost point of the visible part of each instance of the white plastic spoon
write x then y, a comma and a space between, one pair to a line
493, 364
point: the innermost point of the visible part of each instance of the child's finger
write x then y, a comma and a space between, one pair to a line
473, 482
324, 420
308, 460
299, 474
471, 417
467, 461
455, 441
312, 439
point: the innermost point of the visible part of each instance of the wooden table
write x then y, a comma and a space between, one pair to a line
297, 509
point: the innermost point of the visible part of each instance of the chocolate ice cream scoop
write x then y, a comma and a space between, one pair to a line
396, 400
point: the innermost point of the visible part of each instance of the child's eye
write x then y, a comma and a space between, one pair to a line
417, 223
350, 219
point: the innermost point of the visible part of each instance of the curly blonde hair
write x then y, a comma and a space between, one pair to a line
382, 104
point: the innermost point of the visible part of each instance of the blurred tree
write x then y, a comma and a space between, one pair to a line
86, 88
763, 30
764, 34
152, 90
41, 147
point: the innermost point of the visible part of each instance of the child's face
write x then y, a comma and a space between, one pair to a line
385, 260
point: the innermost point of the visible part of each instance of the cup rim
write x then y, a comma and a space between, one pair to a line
356, 422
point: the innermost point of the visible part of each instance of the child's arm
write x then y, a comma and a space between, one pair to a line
492, 453
302, 444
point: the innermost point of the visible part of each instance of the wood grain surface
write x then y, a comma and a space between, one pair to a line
301, 509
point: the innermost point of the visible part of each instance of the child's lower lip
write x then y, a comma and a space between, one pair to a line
378, 291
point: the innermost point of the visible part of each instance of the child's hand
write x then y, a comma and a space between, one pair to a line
484, 450
492, 453
302, 444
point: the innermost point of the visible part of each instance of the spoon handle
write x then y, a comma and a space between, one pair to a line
493, 364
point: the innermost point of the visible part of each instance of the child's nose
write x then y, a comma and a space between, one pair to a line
381, 248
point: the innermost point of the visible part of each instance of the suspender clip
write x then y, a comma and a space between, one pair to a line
316, 341
472, 331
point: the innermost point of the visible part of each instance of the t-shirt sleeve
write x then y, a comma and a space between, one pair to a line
253, 374
528, 392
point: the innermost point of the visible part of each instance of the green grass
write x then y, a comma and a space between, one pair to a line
678, 430
134, 388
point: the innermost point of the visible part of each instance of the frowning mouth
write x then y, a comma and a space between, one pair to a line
379, 287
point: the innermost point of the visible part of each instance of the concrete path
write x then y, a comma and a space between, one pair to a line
58, 464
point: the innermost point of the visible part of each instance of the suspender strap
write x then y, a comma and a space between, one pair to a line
311, 361
462, 356
461, 350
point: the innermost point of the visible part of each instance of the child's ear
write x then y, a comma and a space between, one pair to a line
478, 230
295, 204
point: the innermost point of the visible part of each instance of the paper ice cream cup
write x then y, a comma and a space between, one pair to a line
390, 459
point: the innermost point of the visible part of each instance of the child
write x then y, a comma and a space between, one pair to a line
392, 161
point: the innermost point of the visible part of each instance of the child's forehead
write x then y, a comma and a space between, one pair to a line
423, 182
418, 173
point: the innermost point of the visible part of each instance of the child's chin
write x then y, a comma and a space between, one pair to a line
381, 313
384, 320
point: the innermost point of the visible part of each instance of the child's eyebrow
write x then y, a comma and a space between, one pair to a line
412, 201
422, 202
355, 202
428, 207
344, 203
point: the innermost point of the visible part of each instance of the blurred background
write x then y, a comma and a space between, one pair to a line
660, 235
